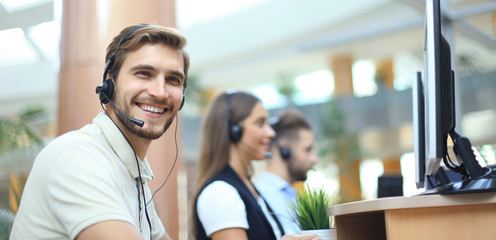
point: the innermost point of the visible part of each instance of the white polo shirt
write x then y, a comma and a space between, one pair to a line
82, 178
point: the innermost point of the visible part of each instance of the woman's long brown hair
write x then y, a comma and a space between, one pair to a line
214, 153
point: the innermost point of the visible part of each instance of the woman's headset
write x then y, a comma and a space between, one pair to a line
235, 130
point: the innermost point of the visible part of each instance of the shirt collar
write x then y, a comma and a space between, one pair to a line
122, 147
277, 182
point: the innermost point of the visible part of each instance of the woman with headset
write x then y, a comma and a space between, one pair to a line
226, 205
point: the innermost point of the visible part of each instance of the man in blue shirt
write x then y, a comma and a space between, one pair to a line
293, 156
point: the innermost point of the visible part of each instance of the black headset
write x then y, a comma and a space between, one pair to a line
106, 90
235, 130
284, 151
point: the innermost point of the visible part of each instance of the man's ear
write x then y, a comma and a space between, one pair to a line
282, 143
109, 76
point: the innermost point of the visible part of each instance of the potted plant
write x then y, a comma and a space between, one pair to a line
310, 212
18, 143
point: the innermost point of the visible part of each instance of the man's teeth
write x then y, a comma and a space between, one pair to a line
152, 109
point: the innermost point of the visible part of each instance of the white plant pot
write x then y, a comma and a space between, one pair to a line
325, 234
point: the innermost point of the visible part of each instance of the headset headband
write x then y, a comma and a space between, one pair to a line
122, 40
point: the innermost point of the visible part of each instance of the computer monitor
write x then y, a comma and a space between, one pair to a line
439, 120
419, 130
439, 88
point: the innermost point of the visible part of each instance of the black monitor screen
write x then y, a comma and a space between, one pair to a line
419, 130
439, 88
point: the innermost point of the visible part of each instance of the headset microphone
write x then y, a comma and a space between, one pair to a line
268, 155
106, 90
102, 93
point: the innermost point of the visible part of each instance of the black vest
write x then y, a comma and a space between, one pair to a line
259, 226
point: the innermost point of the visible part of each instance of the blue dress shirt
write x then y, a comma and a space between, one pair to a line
279, 194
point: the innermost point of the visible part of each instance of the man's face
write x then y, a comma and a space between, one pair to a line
150, 88
303, 156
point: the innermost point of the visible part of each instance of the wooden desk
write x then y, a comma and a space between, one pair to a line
461, 216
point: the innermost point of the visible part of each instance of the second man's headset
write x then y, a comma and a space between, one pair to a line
284, 151
235, 130
106, 90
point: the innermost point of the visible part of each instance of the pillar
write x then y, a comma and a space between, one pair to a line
349, 181
87, 28
494, 24
341, 67
384, 73
392, 166
349, 171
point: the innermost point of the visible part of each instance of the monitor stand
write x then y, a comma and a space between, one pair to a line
474, 178
485, 184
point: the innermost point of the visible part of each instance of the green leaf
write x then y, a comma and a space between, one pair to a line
310, 209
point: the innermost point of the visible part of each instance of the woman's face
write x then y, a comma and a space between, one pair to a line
257, 134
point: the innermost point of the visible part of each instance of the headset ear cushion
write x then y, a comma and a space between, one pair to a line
235, 133
105, 91
285, 152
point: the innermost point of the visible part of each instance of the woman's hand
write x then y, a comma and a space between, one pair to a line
301, 237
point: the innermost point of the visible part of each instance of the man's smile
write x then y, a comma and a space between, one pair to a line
151, 109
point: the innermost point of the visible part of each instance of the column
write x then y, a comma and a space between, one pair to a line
392, 165
349, 181
384, 73
349, 171
87, 28
341, 67
494, 24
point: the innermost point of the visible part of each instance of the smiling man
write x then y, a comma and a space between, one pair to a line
93, 183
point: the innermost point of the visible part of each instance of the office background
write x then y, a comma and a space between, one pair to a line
347, 64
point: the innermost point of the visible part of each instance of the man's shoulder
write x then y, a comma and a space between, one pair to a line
88, 135
75, 149
268, 178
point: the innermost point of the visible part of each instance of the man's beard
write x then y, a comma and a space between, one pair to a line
296, 170
138, 131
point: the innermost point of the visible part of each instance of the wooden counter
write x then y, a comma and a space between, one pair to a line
461, 216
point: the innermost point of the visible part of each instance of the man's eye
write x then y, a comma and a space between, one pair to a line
143, 74
173, 79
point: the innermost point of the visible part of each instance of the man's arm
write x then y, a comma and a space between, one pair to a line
112, 229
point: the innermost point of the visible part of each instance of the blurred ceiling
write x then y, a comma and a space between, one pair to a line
302, 36
250, 46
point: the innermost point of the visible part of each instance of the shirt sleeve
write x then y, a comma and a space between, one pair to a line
219, 206
82, 191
